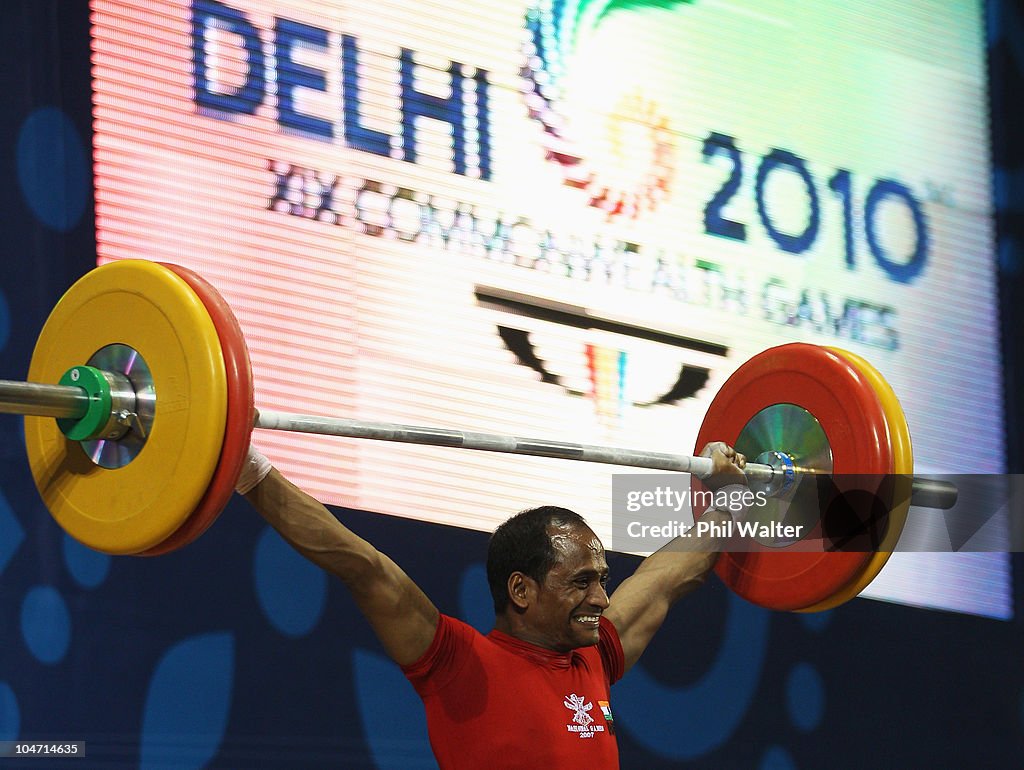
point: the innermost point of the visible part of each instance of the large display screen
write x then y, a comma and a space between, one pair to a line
565, 219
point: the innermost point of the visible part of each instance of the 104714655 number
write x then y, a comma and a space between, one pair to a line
900, 268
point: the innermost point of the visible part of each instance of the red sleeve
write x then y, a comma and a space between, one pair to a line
611, 651
444, 658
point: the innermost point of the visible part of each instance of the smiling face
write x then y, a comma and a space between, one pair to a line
565, 607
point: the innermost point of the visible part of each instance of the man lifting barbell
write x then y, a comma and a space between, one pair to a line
524, 695
147, 372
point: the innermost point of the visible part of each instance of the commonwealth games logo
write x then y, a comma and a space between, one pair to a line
617, 146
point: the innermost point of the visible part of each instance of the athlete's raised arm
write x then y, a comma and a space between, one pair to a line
401, 615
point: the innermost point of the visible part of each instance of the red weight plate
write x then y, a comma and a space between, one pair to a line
240, 416
903, 468
846, 406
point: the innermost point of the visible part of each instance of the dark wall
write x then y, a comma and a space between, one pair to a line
1006, 70
234, 653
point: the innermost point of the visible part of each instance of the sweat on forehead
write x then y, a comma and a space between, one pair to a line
563, 536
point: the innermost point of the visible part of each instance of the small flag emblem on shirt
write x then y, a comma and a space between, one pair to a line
606, 709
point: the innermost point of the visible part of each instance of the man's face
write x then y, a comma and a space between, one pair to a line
572, 596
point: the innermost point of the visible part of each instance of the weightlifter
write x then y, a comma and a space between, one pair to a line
534, 692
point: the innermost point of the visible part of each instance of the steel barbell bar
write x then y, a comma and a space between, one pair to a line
149, 379
73, 403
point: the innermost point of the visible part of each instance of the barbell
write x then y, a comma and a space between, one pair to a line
139, 409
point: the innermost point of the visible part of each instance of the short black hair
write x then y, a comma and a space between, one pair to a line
522, 544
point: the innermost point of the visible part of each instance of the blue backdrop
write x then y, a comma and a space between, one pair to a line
235, 653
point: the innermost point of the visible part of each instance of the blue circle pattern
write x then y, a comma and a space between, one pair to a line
815, 621
188, 703
776, 758
805, 697
711, 708
46, 624
475, 603
10, 717
53, 171
89, 568
292, 591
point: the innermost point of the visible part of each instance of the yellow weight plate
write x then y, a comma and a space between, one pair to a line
903, 467
150, 309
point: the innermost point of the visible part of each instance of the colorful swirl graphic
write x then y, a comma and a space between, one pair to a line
635, 127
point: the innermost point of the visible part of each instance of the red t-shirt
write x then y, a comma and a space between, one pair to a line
498, 702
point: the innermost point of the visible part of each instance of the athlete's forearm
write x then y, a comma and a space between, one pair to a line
313, 530
683, 564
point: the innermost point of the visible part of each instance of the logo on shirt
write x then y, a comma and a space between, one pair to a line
606, 709
583, 723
